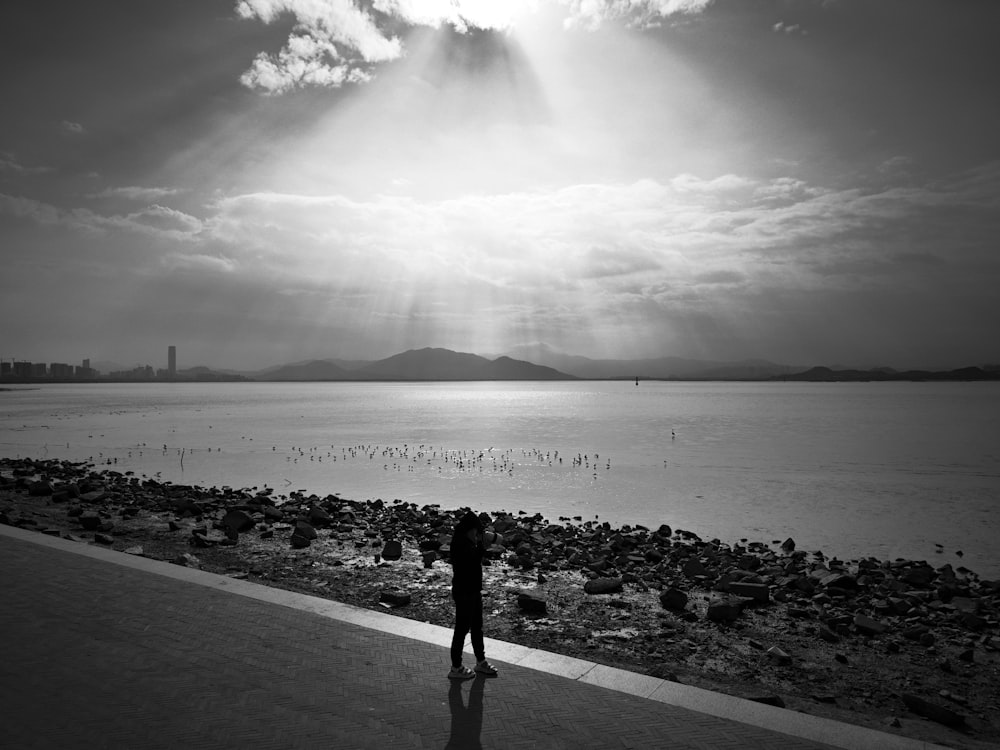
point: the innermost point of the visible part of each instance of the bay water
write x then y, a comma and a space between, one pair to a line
887, 470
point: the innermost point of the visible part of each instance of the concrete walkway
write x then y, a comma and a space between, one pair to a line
108, 650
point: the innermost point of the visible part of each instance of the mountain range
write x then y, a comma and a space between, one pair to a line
541, 362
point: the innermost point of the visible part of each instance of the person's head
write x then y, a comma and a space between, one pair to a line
469, 526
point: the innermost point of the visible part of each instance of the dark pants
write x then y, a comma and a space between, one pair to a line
468, 619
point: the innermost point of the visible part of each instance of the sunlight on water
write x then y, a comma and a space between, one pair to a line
853, 469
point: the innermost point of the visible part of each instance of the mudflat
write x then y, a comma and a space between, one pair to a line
901, 646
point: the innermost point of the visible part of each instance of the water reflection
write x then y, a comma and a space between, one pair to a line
466, 720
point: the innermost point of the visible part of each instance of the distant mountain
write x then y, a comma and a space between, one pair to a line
444, 364
663, 367
828, 375
415, 364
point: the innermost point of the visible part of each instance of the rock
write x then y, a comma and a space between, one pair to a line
933, 711
90, 520
319, 517
104, 539
867, 625
298, 541
693, 568
94, 496
394, 598
603, 586
892, 721
828, 635
673, 598
238, 521
531, 603
305, 530
788, 545
779, 656
919, 576
136, 550
187, 560
968, 655
759, 592
428, 558
392, 550
40, 489
723, 610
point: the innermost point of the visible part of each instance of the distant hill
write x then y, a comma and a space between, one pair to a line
415, 364
663, 368
828, 375
444, 364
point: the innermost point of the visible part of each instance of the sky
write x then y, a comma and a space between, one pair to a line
811, 182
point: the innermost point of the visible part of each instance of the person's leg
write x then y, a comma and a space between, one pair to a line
476, 626
463, 623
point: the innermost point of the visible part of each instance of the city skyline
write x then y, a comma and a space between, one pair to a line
268, 181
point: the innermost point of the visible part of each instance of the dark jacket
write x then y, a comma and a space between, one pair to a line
466, 559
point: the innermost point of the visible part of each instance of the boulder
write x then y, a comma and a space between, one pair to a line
319, 517
933, 711
779, 656
429, 557
867, 626
759, 592
394, 598
724, 610
788, 545
305, 530
920, 576
673, 598
237, 521
603, 586
531, 603
40, 488
90, 520
392, 550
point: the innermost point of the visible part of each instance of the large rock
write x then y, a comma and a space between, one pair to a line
40, 489
673, 598
759, 592
603, 586
394, 598
531, 603
238, 521
90, 520
724, 610
867, 626
392, 550
933, 711
304, 530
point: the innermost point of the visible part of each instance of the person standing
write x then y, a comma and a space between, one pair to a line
467, 555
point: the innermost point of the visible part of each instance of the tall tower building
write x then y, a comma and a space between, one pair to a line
172, 361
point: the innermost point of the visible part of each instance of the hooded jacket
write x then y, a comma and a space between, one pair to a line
467, 558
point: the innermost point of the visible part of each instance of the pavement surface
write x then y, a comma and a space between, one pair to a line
103, 649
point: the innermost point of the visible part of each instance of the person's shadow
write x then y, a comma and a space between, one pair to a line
466, 721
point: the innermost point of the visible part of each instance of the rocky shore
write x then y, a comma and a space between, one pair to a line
901, 646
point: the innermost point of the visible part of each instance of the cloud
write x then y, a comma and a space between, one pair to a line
334, 42
72, 127
155, 221
10, 164
592, 14
789, 28
136, 193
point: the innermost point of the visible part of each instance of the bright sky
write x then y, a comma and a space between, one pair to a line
265, 181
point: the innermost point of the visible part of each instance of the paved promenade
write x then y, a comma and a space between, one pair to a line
108, 650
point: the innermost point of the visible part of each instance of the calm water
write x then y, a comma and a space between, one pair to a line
884, 469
